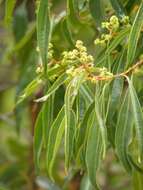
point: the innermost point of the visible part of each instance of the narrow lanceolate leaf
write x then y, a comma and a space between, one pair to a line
47, 118
97, 10
118, 7
60, 80
43, 30
55, 137
94, 150
101, 124
115, 96
71, 92
138, 117
32, 86
134, 35
87, 93
123, 132
38, 140
9, 6
83, 127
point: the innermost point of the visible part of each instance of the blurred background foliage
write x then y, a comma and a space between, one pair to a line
18, 62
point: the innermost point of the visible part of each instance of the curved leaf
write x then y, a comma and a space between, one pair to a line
43, 30
94, 150
38, 140
138, 118
123, 131
55, 137
134, 35
70, 94
60, 80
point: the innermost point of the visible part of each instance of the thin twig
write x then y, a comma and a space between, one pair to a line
125, 73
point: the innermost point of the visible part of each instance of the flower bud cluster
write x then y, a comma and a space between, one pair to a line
74, 63
112, 26
77, 58
104, 72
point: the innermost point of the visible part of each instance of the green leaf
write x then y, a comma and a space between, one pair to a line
32, 86
47, 118
101, 124
97, 11
94, 150
9, 7
55, 137
83, 127
87, 93
43, 30
123, 132
138, 117
118, 7
70, 94
115, 96
60, 80
134, 35
38, 140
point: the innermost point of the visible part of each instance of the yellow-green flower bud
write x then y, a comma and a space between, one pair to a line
97, 41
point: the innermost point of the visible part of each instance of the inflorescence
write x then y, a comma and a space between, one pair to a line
111, 27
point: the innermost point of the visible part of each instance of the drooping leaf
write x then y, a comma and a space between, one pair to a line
83, 126
70, 94
47, 118
123, 132
94, 150
38, 140
134, 35
138, 117
55, 137
101, 124
87, 93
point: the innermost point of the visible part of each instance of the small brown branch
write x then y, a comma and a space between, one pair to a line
131, 69
123, 74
